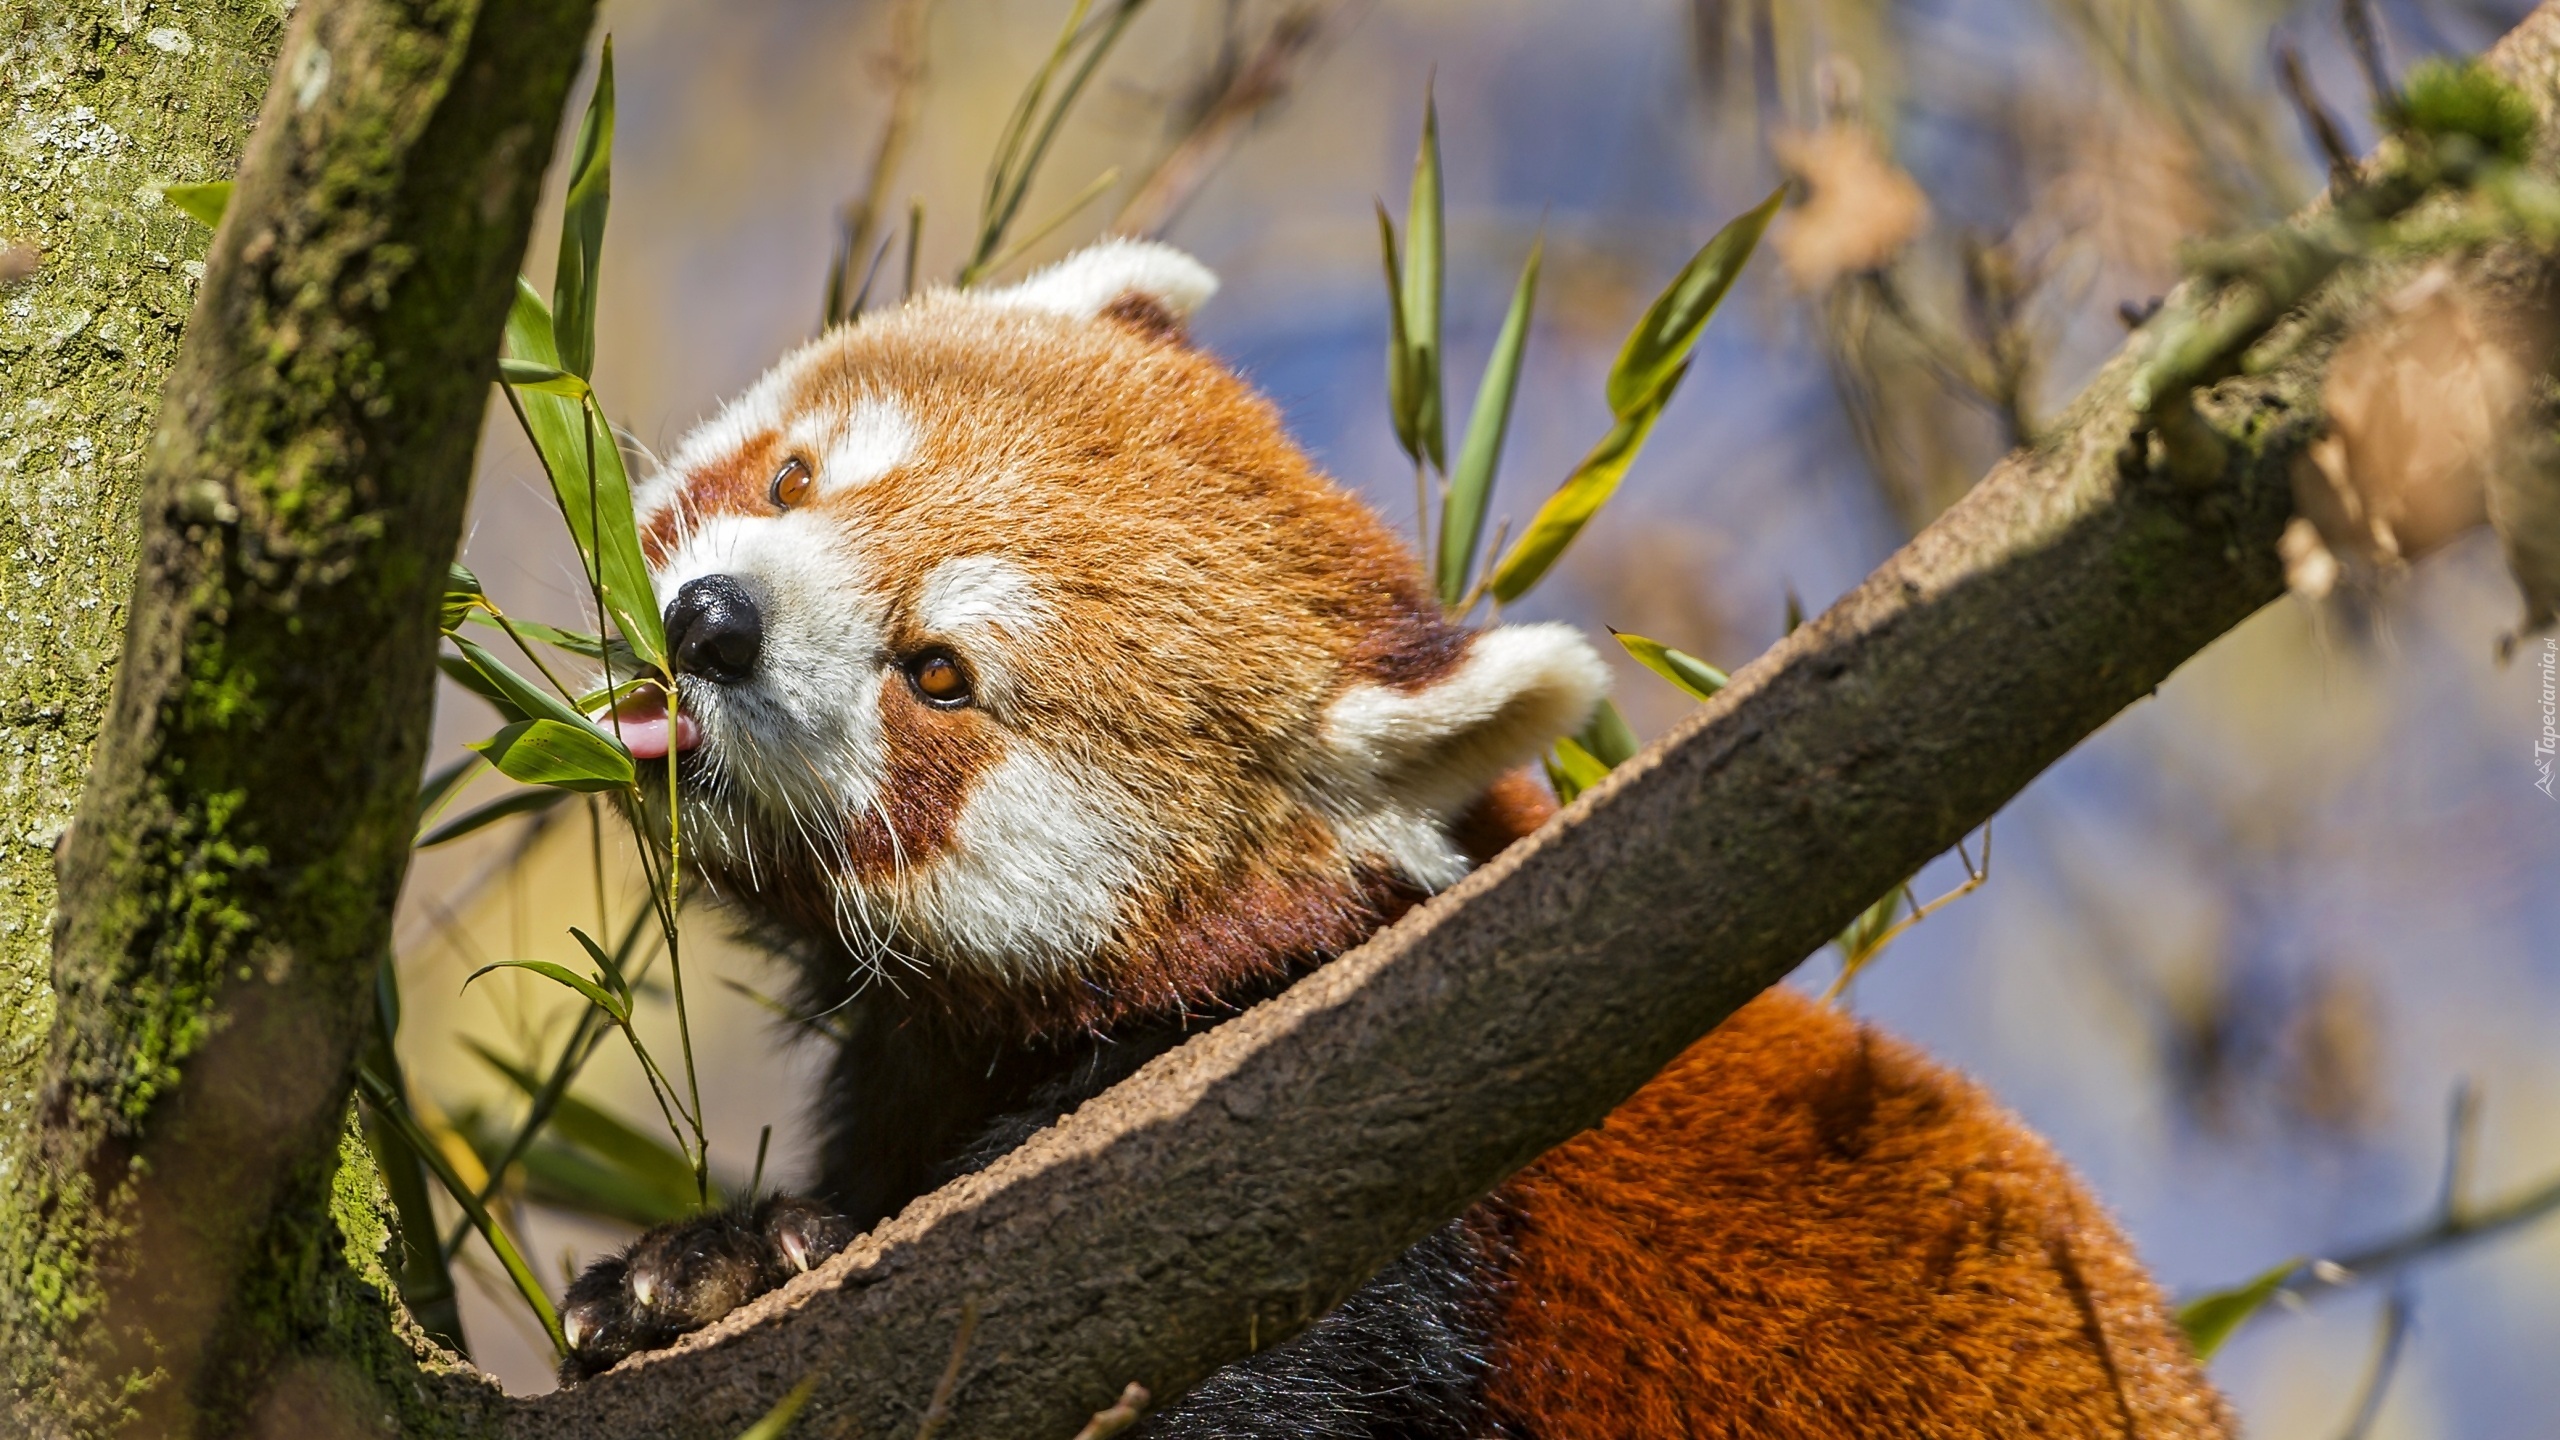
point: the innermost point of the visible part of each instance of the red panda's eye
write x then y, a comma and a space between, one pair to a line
792, 483
939, 678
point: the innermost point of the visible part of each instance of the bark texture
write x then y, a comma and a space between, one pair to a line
108, 101
226, 889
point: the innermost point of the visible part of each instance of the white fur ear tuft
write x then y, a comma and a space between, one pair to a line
1102, 275
1436, 748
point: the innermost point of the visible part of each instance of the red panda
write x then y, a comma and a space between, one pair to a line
1046, 704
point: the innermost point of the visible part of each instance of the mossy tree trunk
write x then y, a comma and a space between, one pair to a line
174, 1263
110, 101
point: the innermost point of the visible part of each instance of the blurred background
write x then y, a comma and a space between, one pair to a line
2237, 955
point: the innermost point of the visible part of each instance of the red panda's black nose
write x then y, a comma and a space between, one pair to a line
713, 630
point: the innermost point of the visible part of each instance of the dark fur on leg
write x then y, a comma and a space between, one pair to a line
1400, 1360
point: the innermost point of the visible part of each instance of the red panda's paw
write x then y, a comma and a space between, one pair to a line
687, 1273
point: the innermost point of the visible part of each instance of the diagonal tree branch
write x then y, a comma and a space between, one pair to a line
1235, 1188
227, 886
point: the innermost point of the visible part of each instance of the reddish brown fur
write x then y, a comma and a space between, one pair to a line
1802, 1230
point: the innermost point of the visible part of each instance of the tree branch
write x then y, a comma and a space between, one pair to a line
227, 886
1232, 1190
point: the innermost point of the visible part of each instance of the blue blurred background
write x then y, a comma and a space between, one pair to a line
2236, 953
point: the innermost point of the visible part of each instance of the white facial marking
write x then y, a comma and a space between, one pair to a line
1031, 883
854, 449
973, 594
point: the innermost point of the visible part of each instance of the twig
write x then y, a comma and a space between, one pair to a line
1251, 88
2316, 118
2364, 37
2386, 1362
1123, 1413
940, 1408
905, 68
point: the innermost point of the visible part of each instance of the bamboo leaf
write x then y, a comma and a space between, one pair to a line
1660, 344
433, 790
1020, 151
1607, 738
1425, 257
639, 1171
388, 1104
531, 701
1471, 484
595, 992
546, 752
1400, 388
1579, 497
596, 501
202, 203
2210, 1319
462, 595
582, 216
1681, 668
461, 673
506, 807
527, 375
1572, 770
605, 965
576, 642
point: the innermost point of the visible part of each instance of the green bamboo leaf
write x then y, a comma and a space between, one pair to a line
546, 752
659, 1173
202, 203
573, 290
597, 503
433, 790
784, 1411
1607, 737
1400, 388
506, 807
1662, 340
1579, 497
605, 964
388, 1104
1681, 668
576, 642
462, 596
1471, 484
531, 701
1572, 770
2209, 1319
526, 375
595, 992
1425, 257
461, 673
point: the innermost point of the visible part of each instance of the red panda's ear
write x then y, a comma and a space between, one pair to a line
1437, 747
1150, 287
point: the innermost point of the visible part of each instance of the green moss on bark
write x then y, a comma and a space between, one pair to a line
109, 101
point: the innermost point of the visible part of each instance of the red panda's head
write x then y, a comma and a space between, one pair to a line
1024, 654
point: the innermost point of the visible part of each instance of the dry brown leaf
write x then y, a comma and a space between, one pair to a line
1861, 212
2422, 406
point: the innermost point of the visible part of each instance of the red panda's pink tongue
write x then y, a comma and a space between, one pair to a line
641, 721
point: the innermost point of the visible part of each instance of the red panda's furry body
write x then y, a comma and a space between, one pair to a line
1048, 705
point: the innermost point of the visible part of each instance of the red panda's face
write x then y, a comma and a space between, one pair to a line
1024, 654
